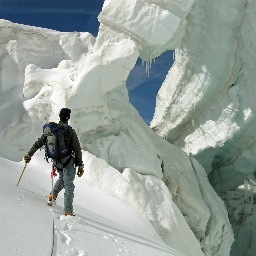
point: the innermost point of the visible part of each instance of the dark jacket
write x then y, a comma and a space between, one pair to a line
71, 140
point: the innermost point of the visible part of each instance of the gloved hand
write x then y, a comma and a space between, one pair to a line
80, 171
27, 158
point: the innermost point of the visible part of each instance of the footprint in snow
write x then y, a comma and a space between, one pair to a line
76, 252
82, 253
68, 226
121, 242
64, 237
113, 238
126, 252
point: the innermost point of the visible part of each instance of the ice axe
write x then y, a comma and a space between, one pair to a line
22, 174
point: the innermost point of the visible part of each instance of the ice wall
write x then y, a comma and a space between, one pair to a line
122, 139
110, 128
241, 207
158, 27
25, 52
144, 192
206, 105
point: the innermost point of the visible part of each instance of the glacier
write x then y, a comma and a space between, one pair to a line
206, 105
204, 113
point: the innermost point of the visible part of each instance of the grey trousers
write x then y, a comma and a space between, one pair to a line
66, 181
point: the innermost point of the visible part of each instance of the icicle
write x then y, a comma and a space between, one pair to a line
147, 68
148, 65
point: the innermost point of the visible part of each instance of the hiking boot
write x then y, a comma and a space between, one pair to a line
69, 214
52, 197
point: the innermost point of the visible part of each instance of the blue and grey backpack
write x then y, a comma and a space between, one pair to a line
55, 146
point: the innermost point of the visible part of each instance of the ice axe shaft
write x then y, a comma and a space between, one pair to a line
22, 174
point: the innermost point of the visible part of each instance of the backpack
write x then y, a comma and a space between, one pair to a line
55, 146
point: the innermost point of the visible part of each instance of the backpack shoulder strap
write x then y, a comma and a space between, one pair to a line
50, 124
63, 129
49, 128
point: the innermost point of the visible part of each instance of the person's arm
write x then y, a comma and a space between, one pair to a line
38, 144
77, 149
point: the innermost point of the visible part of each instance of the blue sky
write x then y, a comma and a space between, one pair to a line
81, 15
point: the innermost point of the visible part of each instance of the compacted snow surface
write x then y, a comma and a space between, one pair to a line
103, 225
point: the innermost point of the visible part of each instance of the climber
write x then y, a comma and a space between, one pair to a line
63, 147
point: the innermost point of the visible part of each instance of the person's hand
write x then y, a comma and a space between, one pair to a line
27, 158
80, 171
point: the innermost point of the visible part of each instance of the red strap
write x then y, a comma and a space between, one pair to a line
53, 172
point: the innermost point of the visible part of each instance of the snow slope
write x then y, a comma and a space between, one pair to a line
123, 157
104, 225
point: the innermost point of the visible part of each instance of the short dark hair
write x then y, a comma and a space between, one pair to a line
64, 114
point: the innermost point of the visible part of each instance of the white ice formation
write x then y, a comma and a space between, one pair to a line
201, 108
206, 104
